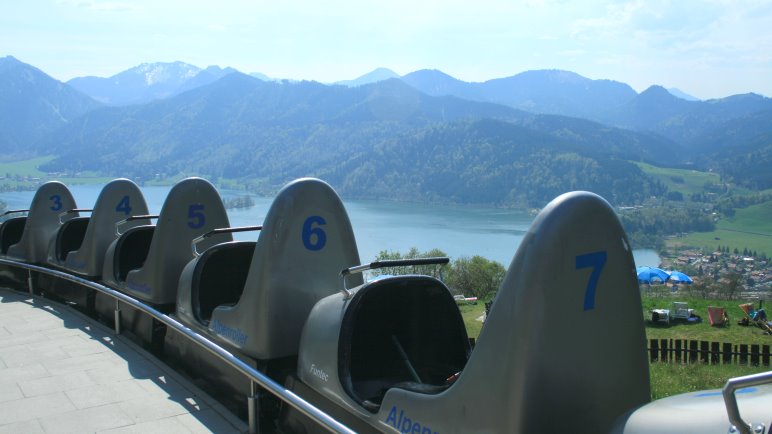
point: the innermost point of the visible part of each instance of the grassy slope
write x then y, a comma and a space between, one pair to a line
750, 228
703, 331
671, 379
693, 180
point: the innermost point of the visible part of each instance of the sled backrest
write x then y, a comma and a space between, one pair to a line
118, 200
305, 242
192, 208
564, 339
51, 199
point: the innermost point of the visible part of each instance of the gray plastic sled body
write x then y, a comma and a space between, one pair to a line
41, 224
80, 245
256, 297
562, 349
145, 261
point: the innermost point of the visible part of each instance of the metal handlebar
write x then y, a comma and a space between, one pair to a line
730, 400
13, 211
73, 211
200, 238
441, 260
134, 217
394, 263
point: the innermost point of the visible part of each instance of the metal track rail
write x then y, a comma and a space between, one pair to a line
257, 378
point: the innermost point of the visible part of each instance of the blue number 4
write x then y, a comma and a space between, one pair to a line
597, 261
124, 206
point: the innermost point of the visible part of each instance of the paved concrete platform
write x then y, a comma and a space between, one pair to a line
61, 372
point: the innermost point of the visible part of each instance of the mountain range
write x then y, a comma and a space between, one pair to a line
518, 140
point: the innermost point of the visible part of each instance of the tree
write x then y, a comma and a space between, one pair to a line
429, 270
733, 286
476, 276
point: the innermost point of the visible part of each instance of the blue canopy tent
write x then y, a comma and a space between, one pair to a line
651, 275
679, 277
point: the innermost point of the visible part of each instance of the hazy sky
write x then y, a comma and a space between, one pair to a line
709, 49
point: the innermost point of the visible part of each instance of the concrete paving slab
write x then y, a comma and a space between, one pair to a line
63, 372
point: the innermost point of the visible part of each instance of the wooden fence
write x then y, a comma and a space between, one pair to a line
714, 353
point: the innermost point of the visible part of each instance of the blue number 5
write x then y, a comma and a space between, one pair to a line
196, 216
597, 261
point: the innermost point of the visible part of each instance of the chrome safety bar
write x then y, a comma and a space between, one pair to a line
13, 211
440, 260
200, 238
730, 400
120, 223
261, 379
73, 211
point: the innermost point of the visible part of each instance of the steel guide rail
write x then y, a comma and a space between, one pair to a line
255, 376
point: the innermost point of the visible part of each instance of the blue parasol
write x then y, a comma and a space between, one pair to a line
651, 275
679, 277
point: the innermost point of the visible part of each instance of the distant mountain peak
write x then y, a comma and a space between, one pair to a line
681, 94
374, 76
656, 91
161, 72
557, 75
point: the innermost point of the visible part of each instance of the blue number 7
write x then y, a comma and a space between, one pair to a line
595, 260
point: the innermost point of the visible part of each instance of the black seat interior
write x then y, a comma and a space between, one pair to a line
220, 276
416, 313
70, 236
132, 249
11, 232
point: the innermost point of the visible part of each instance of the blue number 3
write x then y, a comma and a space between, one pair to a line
597, 261
56, 202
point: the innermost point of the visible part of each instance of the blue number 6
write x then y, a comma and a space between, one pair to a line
310, 230
597, 261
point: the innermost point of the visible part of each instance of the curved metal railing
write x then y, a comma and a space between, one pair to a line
255, 376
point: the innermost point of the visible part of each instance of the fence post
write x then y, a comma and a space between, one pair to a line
727, 353
663, 351
714, 351
678, 350
755, 354
765, 355
692, 351
704, 352
653, 350
743, 354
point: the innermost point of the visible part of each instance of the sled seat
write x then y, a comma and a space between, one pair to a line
81, 243
404, 332
145, 262
219, 277
132, 247
10, 232
70, 236
256, 303
41, 224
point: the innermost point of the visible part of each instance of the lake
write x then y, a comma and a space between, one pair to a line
380, 225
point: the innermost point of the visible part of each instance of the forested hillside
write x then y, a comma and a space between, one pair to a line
405, 138
380, 140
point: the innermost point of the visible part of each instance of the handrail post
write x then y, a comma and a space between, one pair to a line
29, 282
253, 403
117, 317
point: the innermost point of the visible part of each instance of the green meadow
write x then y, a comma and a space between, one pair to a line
685, 181
750, 228
673, 378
